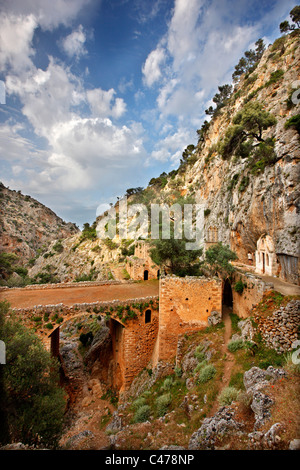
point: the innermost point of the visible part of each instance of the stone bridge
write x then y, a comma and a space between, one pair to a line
145, 329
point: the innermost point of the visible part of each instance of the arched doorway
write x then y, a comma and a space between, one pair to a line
148, 316
146, 275
227, 294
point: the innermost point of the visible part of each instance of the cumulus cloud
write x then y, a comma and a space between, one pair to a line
73, 44
151, 68
104, 103
16, 34
49, 14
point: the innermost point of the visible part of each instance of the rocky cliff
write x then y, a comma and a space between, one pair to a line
248, 194
247, 201
27, 226
249, 191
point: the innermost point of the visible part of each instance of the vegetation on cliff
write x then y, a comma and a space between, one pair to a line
32, 403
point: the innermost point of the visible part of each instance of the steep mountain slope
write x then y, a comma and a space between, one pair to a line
248, 191
245, 198
251, 192
27, 226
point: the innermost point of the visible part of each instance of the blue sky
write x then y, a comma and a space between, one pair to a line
103, 95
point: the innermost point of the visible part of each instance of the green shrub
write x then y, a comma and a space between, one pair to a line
139, 402
178, 371
199, 366
162, 404
233, 182
235, 345
167, 383
244, 183
228, 395
294, 121
199, 354
239, 287
58, 247
37, 319
142, 414
49, 326
275, 77
207, 373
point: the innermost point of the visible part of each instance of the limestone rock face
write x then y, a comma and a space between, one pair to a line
244, 204
28, 226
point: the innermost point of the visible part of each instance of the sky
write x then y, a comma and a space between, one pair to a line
102, 95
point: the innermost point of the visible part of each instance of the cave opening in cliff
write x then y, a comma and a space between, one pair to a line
227, 294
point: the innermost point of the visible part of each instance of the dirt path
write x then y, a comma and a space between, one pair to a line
228, 356
22, 298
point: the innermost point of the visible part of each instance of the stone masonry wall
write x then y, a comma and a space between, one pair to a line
133, 340
254, 289
280, 330
185, 305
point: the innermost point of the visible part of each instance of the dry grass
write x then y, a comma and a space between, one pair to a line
286, 408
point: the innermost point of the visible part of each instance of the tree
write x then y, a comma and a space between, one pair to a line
254, 120
220, 99
188, 156
131, 191
171, 253
218, 260
34, 402
285, 26
173, 256
248, 63
248, 125
202, 132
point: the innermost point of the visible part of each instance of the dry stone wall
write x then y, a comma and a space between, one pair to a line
280, 330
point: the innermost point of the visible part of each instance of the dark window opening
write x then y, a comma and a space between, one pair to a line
148, 316
158, 274
146, 275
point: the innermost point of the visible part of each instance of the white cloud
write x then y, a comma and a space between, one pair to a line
151, 68
182, 40
47, 95
49, 14
171, 147
73, 44
16, 34
103, 103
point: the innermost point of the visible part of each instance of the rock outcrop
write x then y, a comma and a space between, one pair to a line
27, 226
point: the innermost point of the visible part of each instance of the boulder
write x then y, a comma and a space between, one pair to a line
221, 423
214, 318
